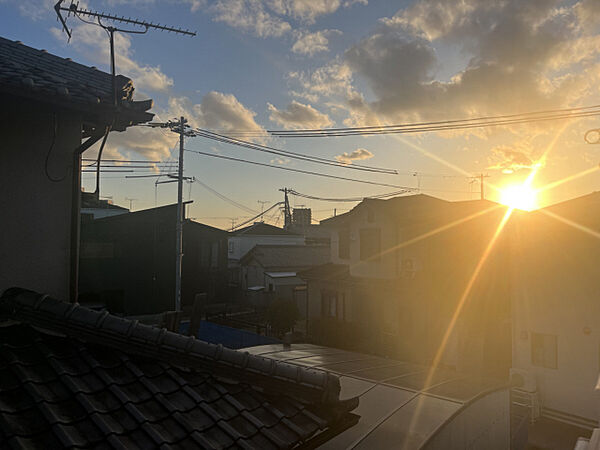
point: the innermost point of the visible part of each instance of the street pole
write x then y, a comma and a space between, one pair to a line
481, 188
179, 228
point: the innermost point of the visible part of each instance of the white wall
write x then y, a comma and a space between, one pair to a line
243, 244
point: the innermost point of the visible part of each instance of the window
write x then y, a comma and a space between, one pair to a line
544, 350
370, 244
344, 243
333, 305
230, 246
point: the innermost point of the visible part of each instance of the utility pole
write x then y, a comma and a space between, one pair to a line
480, 178
179, 229
287, 214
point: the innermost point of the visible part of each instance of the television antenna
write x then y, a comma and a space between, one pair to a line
83, 14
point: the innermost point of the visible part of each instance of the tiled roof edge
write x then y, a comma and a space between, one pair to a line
71, 319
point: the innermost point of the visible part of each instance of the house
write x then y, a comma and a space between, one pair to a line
53, 110
243, 240
71, 377
128, 261
555, 309
95, 208
397, 275
270, 272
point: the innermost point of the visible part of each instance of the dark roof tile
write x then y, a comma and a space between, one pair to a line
100, 386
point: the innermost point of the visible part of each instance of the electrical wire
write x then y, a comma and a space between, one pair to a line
347, 199
223, 197
446, 125
288, 154
256, 217
49, 152
307, 172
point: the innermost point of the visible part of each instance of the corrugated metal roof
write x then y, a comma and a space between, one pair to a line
397, 409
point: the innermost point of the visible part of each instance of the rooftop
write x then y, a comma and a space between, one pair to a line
287, 256
74, 377
263, 229
396, 408
43, 77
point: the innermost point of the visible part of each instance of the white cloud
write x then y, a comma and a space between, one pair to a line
310, 43
92, 42
216, 111
298, 115
305, 10
250, 16
356, 155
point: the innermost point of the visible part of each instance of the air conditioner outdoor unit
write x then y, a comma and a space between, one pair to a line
523, 379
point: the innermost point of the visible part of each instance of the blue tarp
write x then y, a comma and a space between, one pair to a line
227, 336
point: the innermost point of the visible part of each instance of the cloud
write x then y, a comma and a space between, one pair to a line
250, 16
298, 115
310, 43
511, 159
92, 42
520, 56
356, 155
304, 10
334, 78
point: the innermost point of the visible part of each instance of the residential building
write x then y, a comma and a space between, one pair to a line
398, 273
95, 208
53, 110
271, 272
555, 308
243, 240
71, 377
128, 261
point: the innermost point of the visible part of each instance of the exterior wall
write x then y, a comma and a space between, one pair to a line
129, 260
483, 424
383, 267
35, 244
555, 292
240, 245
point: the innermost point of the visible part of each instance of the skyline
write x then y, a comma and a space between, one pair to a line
295, 64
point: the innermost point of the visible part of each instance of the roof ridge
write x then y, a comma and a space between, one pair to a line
40, 310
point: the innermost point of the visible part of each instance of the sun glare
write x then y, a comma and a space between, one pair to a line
519, 196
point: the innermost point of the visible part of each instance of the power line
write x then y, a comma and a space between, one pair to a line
347, 199
289, 154
223, 197
308, 172
446, 125
256, 217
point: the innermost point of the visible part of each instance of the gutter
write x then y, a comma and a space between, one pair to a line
76, 210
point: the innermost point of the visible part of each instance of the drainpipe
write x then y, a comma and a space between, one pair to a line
76, 209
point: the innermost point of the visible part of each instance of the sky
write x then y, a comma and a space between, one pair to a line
259, 65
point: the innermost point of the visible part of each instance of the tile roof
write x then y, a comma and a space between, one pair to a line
72, 377
328, 271
280, 256
37, 74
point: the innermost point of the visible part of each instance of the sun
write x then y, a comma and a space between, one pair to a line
519, 196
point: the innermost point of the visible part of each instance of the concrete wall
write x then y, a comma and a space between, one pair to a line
36, 212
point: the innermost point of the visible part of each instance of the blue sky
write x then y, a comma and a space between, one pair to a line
289, 64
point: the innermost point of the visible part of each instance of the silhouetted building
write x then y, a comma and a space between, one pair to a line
397, 275
49, 106
301, 217
95, 208
128, 261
